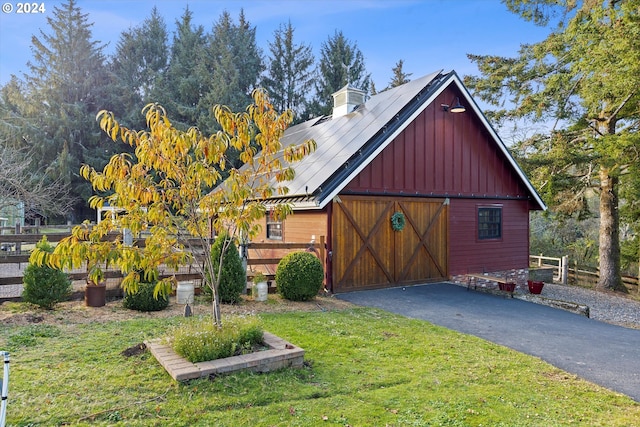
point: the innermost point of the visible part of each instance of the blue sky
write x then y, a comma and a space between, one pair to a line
428, 35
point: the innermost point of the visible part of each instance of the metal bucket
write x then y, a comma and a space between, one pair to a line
263, 291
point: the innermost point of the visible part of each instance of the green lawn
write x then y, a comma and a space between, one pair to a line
365, 367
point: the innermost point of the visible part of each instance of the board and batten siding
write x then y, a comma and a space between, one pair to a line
441, 154
467, 254
369, 254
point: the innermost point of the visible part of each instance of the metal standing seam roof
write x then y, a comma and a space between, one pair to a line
347, 144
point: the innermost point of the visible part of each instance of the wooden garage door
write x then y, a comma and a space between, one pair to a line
368, 253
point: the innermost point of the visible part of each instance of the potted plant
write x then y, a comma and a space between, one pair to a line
76, 251
260, 288
535, 286
508, 286
95, 293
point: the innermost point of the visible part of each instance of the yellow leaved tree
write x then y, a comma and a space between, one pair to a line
171, 197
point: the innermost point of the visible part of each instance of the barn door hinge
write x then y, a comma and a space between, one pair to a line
446, 202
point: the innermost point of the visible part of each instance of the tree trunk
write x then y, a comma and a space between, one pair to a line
609, 251
215, 311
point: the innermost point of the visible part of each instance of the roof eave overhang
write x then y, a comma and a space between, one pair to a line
296, 203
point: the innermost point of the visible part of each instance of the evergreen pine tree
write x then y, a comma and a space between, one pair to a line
373, 89
399, 76
22, 186
220, 70
231, 67
59, 99
289, 75
141, 58
247, 56
180, 88
341, 63
233, 279
584, 79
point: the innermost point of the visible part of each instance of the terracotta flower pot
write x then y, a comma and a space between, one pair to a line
535, 287
95, 295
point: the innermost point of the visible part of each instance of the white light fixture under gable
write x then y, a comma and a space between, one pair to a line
457, 107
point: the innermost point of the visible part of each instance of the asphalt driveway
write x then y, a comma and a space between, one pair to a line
605, 354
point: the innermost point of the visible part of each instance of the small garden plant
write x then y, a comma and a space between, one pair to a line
43, 285
233, 280
200, 340
299, 276
259, 277
144, 300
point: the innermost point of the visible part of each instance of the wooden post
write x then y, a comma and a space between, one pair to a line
540, 261
564, 271
18, 244
321, 249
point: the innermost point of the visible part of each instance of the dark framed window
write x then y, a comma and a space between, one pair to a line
490, 223
274, 228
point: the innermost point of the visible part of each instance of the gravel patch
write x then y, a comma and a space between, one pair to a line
604, 306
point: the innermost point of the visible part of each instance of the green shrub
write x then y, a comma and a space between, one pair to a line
299, 276
199, 340
233, 279
43, 285
143, 300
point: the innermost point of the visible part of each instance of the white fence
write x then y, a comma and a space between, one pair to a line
560, 266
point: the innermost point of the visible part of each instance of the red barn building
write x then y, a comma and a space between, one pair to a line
411, 186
